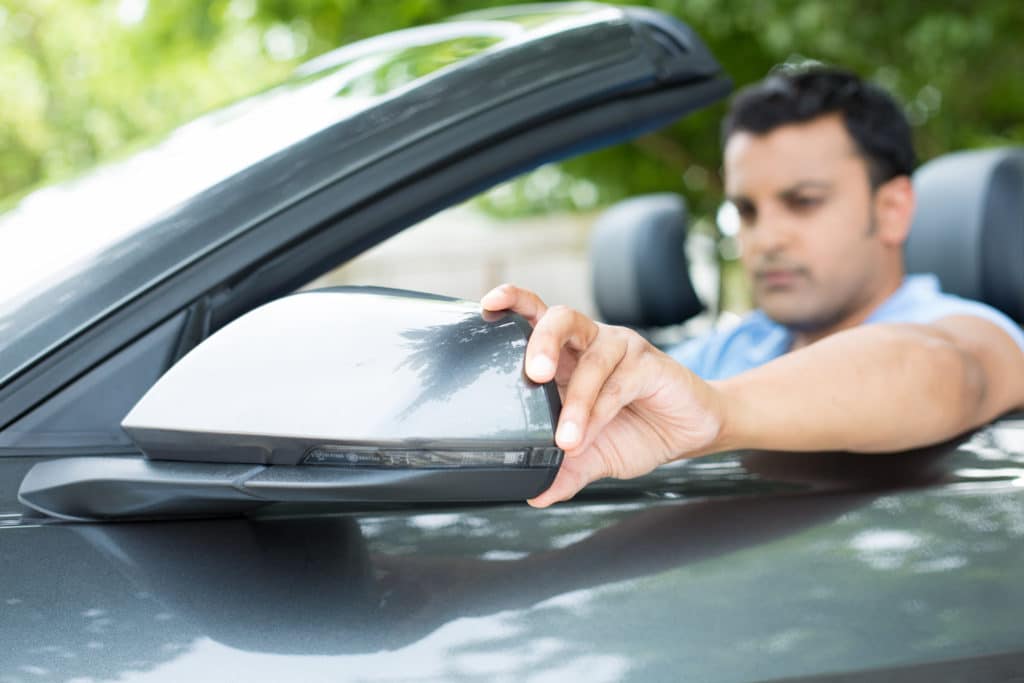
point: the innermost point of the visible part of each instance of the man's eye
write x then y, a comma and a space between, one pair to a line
804, 203
746, 213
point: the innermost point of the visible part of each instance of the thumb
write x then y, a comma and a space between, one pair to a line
577, 471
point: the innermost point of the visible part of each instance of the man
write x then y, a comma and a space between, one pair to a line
817, 163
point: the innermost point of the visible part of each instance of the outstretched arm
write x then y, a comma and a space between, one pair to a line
627, 407
882, 387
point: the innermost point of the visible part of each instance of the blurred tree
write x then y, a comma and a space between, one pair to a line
87, 80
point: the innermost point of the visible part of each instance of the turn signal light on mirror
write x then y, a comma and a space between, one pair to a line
341, 456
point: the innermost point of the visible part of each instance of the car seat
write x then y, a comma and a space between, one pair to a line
969, 226
639, 270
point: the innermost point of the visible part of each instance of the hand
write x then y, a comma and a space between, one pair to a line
626, 406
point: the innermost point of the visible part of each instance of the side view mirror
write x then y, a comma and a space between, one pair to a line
358, 395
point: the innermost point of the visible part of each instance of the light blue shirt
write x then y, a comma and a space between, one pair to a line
758, 339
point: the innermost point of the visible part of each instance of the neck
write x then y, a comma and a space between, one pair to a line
857, 316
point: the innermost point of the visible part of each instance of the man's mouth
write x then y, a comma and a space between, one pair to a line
778, 278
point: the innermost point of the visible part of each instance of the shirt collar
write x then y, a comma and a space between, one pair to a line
914, 288
774, 342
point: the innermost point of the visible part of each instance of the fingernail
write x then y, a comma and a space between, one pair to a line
568, 433
497, 292
541, 366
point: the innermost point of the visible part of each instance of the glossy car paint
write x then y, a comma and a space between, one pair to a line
742, 567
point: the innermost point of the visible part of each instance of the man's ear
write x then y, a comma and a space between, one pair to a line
894, 210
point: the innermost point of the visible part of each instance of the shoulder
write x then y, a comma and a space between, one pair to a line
920, 300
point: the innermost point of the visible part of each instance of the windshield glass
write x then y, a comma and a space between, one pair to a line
57, 226
56, 240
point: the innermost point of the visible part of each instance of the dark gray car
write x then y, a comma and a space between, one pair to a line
734, 567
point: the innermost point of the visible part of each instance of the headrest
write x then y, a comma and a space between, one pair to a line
969, 226
639, 268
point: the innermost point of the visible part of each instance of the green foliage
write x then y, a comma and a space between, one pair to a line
87, 80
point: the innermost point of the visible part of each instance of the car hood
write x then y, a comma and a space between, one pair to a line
737, 567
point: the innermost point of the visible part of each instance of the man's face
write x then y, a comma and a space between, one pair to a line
808, 236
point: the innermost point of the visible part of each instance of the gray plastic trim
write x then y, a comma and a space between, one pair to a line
111, 488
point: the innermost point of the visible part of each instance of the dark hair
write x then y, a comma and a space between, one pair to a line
794, 95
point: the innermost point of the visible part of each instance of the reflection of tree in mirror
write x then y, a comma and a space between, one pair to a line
450, 357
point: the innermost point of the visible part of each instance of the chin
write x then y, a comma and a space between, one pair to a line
793, 315
803, 321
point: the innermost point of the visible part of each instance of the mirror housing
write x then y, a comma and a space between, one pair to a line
348, 394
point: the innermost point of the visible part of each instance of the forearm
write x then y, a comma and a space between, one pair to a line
871, 388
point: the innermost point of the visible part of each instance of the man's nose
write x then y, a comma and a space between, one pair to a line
771, 233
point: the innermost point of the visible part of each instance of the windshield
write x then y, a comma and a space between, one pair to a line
57, 239
56, 226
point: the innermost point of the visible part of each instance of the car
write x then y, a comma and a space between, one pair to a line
734, 567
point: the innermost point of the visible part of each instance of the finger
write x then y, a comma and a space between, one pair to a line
623, 386
508, 297
591, 379
559, 327
572, 476
620, 389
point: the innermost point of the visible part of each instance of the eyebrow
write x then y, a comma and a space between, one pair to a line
787, 192
804, 185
